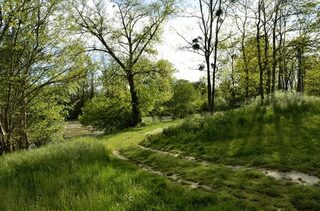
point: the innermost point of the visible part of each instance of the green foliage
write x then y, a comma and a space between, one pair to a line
185, 100
36, 53
153, 81
155, 88
108, 114
312, 78
46, 116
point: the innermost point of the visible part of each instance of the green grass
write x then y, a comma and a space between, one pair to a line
285, 135
251, 188
130, 137
82, 176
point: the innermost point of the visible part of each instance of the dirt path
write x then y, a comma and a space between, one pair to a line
293, 176
177, 178
171, 177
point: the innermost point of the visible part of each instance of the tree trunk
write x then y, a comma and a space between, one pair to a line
23, 141
23, 137
281, 64
233, 93
3, 146
266, 50
91, 85
215, 56
245, 60
209, 84
5, 142
213, 91
135, 104
300, 74
261, 91
274, 49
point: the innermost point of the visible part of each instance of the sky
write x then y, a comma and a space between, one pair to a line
186, 62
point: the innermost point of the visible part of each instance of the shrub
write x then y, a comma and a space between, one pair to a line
46, 118
108, 114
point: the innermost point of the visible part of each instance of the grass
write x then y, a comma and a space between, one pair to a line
80, 175
130, 137
252, 189
283, 134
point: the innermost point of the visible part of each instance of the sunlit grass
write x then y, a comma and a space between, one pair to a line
82, 176
251, 188
284, 134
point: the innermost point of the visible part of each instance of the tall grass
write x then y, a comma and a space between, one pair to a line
81, 176
45, 177
283, 133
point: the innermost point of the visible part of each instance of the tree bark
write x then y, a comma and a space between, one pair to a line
274, 48
215, 55
261, 90
246, 67
300, 73
266, 49
135, 104
209, 96
233, 93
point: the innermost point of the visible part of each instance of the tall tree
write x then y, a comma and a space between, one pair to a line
211, 18
219, 21
242, 24
129, 34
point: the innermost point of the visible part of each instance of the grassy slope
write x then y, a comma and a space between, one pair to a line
82, 176
284, 135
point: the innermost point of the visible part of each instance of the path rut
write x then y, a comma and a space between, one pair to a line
293, 176
171, 177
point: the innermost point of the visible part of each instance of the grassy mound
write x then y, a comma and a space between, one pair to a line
283, 134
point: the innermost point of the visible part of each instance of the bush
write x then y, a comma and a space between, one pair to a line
185, 100
108, 114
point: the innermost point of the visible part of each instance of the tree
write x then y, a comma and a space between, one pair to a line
35, 54
185, 99
109, 110
312, 78
82, 91
242, 24
154, 88
211, 18
126, 37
